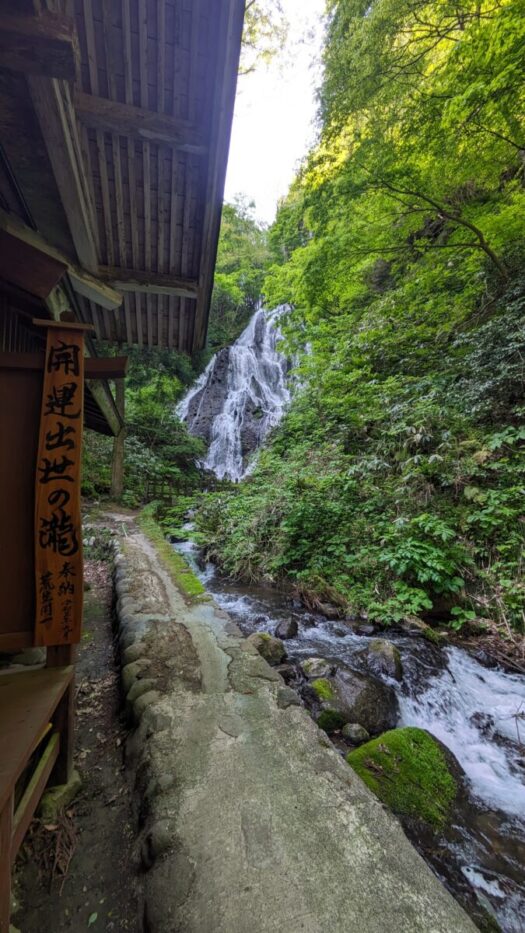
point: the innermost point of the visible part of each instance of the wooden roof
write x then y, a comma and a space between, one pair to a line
115, 119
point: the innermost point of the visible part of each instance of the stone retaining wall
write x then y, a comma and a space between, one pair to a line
248, 818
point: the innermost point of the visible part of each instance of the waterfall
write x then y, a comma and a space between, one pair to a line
241, 395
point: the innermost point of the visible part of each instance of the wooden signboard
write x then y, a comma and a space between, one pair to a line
58, 528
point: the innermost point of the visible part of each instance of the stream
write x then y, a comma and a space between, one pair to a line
476, 711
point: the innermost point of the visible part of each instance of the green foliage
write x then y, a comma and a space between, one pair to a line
407, 770
158, 447
263, 35
395, 482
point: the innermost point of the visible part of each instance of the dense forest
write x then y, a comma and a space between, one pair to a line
395, 484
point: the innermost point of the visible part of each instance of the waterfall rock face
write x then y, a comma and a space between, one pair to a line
241, 394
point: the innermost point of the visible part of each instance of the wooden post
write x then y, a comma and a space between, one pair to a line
117, 471
64, 717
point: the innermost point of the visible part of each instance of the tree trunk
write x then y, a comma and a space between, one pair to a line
117, 470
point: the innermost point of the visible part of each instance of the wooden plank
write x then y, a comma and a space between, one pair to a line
28, 267
27, 704
138, 316
94, 290
61, 325
106, 204
171, 322
32, 794
160, 210
91, 47
15, 641
83, 283
126, 50
149, 316
51, 102
161, 43
129, 330
147, 207
64, 716
40, 45
105, 401
138, 123
143, 53
95, 367
119, 200
173, 214
132, 188
153, 283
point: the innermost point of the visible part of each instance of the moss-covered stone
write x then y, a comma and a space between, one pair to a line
270, 648
317, 667
323, 689
437, 638
330, 720
411, 773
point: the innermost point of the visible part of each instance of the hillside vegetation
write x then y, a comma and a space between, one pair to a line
395, 484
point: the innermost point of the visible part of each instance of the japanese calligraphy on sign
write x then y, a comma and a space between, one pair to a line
58, 535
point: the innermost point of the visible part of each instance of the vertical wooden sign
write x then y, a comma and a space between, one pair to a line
58, 526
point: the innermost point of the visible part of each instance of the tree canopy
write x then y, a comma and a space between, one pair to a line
395, 483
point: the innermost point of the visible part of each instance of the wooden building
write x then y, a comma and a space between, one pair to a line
115, 120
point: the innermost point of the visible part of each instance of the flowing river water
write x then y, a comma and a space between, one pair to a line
476, 711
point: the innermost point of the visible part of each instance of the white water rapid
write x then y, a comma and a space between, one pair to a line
476, 711
471, 708
241, 395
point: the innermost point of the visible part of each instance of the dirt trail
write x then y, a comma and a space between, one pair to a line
99, 889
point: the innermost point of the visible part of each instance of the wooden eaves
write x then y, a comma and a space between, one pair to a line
133, 103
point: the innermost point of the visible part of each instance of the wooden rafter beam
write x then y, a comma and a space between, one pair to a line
40, 45
82, 282
229, 42
138, 123
95, 367
149, 283
54, 108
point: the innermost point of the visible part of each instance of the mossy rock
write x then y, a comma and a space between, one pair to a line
383, 658
330, 720
323, 689
270, 648
412, 773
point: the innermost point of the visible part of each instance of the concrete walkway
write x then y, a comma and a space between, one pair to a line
250, 821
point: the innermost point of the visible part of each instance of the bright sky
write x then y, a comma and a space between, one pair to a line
275, 107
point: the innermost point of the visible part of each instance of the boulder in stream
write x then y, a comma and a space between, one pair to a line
270, 648
287, 628
413, 774
383, 658
348, 696
365, 700
317, 667
355, 733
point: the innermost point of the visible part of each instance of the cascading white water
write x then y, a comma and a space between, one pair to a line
241, 395
468, 707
